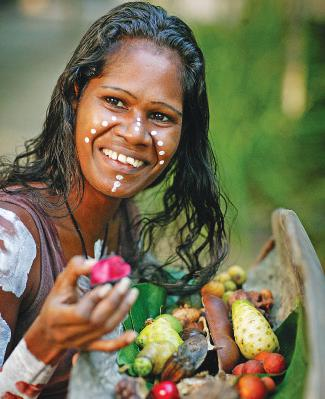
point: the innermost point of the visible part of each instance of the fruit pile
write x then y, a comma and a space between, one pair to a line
226, 345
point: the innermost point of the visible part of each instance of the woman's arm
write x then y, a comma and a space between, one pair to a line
64, 322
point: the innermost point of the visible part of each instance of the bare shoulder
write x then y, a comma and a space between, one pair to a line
19, 250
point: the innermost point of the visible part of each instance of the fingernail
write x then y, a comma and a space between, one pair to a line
132, 296
123, 285
104, 290
89, 262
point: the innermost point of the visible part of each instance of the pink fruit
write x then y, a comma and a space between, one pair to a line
239, 369
109, 270
164, 390
253, 367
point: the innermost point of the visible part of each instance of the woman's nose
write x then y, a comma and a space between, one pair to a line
135, 131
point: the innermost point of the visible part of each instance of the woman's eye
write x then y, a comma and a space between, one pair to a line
158, 116
115, 102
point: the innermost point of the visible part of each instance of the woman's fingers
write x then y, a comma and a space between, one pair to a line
120, 313
111, 302
88, 302
76, 267
112, 344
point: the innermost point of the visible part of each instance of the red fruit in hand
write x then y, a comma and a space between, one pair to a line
109, 270
274, 363
251, 387
269, 383
164, 390
239, 369
253, 367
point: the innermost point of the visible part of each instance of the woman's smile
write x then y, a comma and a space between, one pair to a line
129, 119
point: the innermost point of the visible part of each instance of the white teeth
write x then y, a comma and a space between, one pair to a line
122, 158
130, 160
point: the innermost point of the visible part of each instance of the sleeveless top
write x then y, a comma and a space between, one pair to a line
52, 263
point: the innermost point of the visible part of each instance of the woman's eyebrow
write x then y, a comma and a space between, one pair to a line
168, 106
119, 89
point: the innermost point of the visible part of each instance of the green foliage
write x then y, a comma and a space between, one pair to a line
293, 347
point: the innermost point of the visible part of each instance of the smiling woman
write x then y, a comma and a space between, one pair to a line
129, 112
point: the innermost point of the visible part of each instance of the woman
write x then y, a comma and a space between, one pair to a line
129, 111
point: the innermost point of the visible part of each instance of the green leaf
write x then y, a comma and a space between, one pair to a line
148, 305
293, 347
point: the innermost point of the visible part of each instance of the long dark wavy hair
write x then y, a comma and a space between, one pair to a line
192, 194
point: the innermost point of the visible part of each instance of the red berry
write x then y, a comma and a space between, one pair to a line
109, 270
274, 363
251, 387
238, 370
261, 356
253, 367
269, 383
164, 390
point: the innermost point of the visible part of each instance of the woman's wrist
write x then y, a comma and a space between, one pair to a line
40, 346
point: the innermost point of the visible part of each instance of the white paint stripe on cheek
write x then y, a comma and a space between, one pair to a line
5, 335
17, 258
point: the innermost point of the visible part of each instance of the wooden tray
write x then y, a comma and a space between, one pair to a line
288, 265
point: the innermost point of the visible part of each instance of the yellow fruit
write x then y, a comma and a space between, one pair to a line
223, 277
230, 286
237, 274
214, 288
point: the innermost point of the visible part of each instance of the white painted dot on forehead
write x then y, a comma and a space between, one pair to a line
86, 139
104, 123
138, 119
153, 133
92, 131
114, 118
162, 162
138, 123
119, 177
161, 152
160, 143
137, 128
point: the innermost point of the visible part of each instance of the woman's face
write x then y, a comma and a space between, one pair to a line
129, 119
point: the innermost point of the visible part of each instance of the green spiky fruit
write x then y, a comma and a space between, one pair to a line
159, 330
253, 333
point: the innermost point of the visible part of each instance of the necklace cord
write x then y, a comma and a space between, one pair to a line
78, 230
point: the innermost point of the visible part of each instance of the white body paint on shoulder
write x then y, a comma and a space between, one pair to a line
17, 253
5, 335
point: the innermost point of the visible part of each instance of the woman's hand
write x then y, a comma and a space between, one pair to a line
68, 322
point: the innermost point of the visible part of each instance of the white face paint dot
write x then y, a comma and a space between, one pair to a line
119, 177
161, 152
114, 118
137, 128
138, 119
162, 162
104, 123
160, 143
92, 131
117, 184
138, 123
153, 133
113, 189
86, 139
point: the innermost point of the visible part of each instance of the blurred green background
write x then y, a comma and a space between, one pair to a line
266, 85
